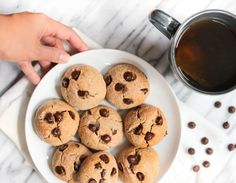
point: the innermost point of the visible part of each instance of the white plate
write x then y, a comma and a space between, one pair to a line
160, 95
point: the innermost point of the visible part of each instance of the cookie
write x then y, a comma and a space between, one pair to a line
83, 87
127, 86
56, 122
138, 165
101, 167
101, 128
67, 159
145, 125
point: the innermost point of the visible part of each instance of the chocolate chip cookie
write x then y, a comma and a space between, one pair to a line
127, 86
101, 167
138, 165
145, 125
101, 128
56, 122
67, 159
83, 87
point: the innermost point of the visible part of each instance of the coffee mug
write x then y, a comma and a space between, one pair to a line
203, 49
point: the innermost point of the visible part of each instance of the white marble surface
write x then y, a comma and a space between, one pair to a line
118, 24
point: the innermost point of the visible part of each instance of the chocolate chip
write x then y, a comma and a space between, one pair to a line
191, 125
76, 166
206, 164
82, 93
191, 151
231, 109
113, 171
103, 173
231, 147
119, 87
144, 90
104, 112
134, 159
93, 127
196, 168
75, 75
149, 136
204, 140
129, 76
138, 130
72, 115
209, 151
63, 147
65, 82
92, 181
108, 80
140, 176
120, 167
56, 132
58, 116
113, 131
60, 170
159, 120
217, 104
49, 117
104, 158
128, 101
226, 125
89, 112
98, 165
102, 180
106, 138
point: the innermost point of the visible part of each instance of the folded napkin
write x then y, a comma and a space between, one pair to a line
13, 106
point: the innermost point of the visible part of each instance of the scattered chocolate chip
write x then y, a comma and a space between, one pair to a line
226, 125
106, 138
134, 159
138, 130
98, 165
60, 170
75, 75
113, 131
49, 117
119, 87
129, 76
159, 120
104, 112
231, 109
92, 181
65, 82
63, 147
196, 168
113, 171
120, 167
102, 180
103, 173
56, 132
191, 151
93, 127
76, 166
144, 90
89, 112
191, 125
82, 93
72, 115
204, 140
104, 158
128, 101
206, 164
217, 104
77, 145
209, 151
108, 80
140, 176
231, 147
58, 116
149, 136
166, 133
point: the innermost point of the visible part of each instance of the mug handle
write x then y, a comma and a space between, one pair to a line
164, 23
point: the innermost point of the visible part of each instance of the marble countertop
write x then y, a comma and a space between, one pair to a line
117, 24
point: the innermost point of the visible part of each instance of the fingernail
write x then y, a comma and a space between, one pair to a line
64, 57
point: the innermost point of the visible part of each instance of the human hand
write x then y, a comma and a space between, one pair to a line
26, 37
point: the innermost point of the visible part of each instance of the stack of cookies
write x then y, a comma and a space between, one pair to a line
99, 128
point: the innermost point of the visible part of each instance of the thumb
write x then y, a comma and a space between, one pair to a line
52, 54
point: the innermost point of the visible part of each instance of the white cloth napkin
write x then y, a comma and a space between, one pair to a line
13, 106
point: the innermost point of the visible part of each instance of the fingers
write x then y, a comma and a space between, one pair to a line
52, 41
29, 72
46, 66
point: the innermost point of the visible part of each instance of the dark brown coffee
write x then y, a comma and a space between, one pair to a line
206, 55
